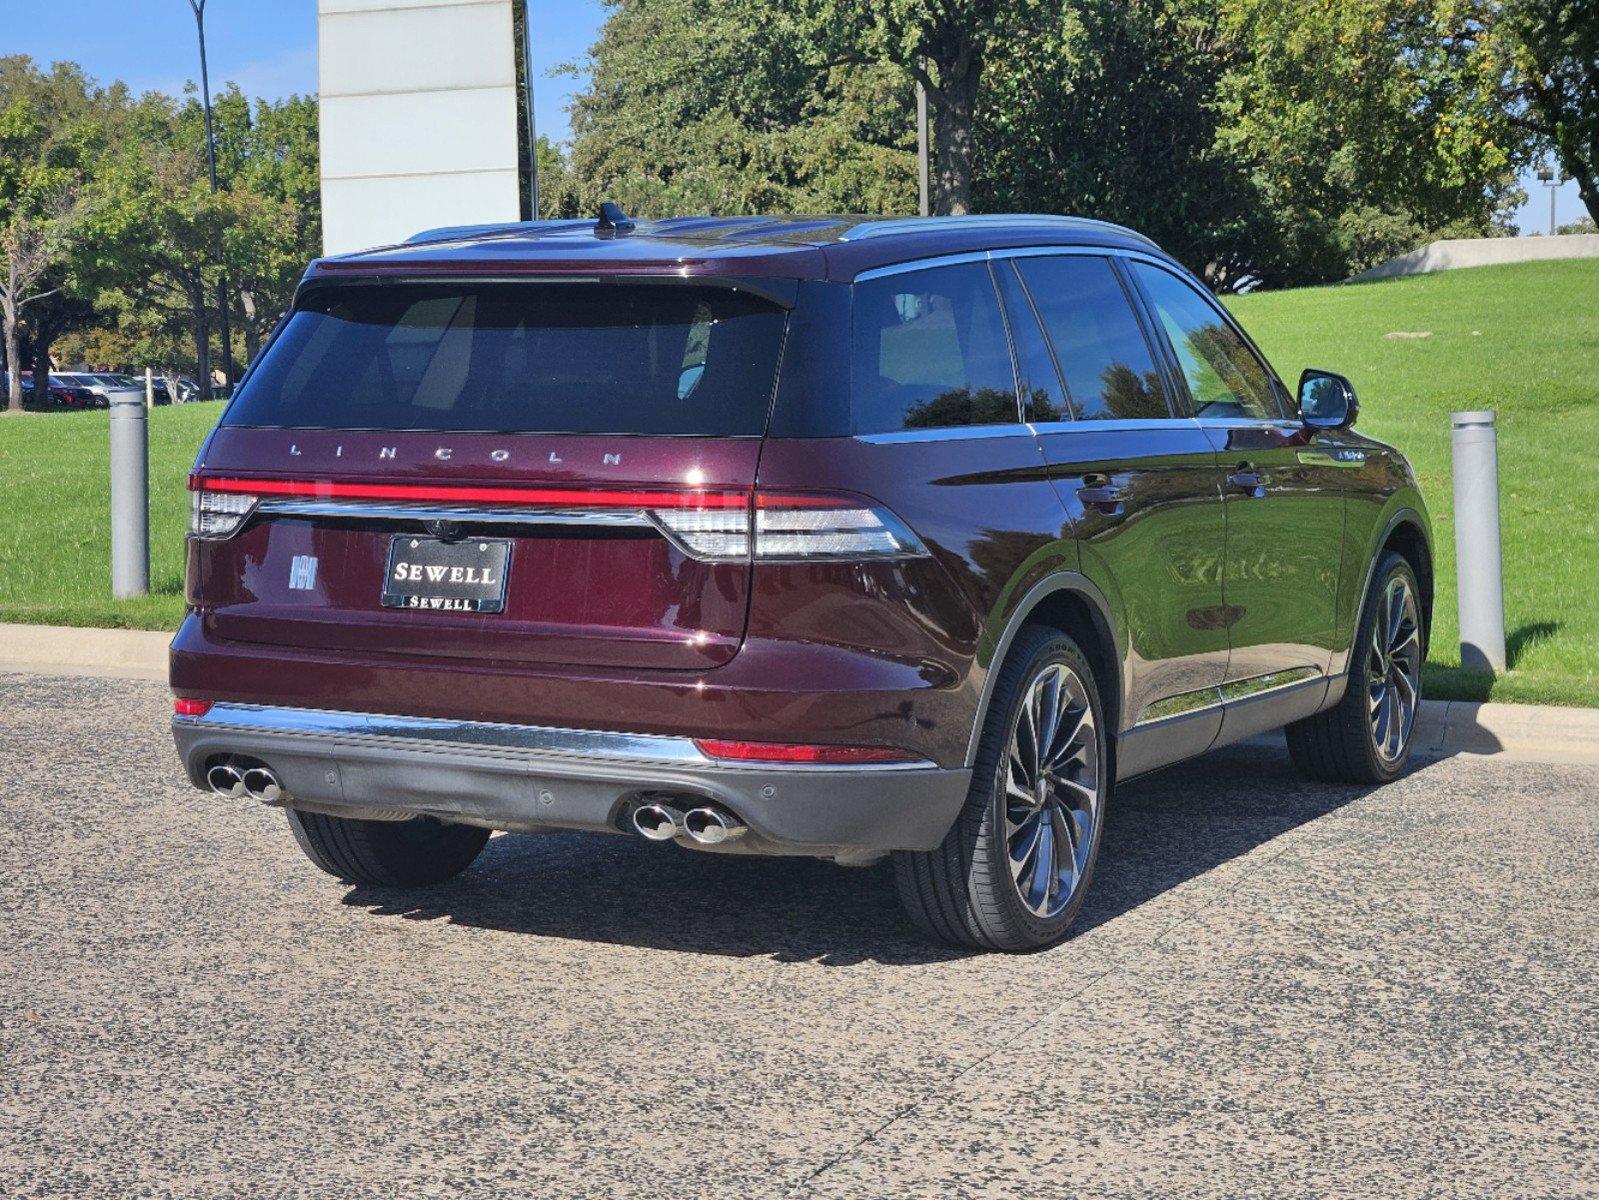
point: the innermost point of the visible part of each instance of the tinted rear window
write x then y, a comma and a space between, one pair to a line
521, 358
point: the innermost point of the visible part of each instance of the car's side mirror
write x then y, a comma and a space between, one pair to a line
1327, 401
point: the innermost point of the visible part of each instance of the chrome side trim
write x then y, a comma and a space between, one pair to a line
534, 740
1183, 704
956, 433
375, 510
1186, 704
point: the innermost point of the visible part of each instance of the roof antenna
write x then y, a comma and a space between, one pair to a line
613, 221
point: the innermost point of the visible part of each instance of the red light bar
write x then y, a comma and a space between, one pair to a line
556, 497
791, 752
183, 706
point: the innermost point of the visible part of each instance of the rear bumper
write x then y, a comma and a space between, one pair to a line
527, 778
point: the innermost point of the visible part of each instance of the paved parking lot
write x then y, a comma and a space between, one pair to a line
1277, 990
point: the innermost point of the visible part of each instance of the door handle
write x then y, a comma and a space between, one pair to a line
1247, 479
1106, 498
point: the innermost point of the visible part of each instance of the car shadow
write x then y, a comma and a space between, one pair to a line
1160, 833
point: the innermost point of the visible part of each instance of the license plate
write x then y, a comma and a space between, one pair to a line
431, 575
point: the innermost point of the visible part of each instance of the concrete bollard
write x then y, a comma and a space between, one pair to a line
1479, 569
130, 495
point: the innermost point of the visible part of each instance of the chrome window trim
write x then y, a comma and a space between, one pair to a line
1114, 425
923, 264
1008, 252
536, 740
946, 433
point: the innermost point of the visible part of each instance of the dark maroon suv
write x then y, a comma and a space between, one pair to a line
823, 536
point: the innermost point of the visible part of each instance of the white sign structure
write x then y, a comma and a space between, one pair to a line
419, 109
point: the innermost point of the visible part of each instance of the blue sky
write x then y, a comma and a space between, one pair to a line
269, 48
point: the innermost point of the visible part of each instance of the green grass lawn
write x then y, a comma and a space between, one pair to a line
1523, 340
1520, 339
55, 517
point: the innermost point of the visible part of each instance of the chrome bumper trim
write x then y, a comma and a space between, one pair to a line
371, 510
539, 740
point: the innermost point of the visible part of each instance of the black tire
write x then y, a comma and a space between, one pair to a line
1340, 745
415, 853
963, 892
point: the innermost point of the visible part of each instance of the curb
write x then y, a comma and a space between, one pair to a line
67, 650
1444, 728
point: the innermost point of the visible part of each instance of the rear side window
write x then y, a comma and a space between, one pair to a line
930, 352
1224, 376
1104, 358
521, 358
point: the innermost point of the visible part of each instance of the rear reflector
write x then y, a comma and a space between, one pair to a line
185, 707
790, 752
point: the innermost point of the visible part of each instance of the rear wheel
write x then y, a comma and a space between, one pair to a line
1013, 871
412, 853
1366, 736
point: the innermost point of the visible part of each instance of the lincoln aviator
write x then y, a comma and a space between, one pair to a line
861, 539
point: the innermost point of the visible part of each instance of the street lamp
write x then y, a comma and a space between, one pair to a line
211, 167
1550, 178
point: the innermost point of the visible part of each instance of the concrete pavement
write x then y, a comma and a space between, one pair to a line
1276, 989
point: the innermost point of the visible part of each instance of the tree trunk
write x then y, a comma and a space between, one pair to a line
252, 329
41, 356
952, 135
14, 362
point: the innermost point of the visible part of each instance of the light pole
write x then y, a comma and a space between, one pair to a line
532, 133
1550, 178
211, 167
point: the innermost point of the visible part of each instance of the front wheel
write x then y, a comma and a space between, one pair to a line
414, 853
1366, 736
1013, 871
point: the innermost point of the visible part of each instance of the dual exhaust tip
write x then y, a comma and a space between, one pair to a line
258, 783
705, 825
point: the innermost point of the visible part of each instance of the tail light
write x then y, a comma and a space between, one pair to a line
713, 526
218, 514
790, 527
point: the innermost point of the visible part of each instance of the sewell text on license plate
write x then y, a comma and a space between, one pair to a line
433, 575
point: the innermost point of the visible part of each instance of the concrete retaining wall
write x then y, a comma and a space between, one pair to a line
1482, 252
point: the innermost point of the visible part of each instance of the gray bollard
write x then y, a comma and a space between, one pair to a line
130, 495
1479, 570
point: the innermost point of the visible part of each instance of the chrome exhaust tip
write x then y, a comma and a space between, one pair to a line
225, 780
658, 822
262, 785
712, 827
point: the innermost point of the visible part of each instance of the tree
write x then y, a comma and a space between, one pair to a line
944, 45
1554, 48
726, 106
39, 213
267, 155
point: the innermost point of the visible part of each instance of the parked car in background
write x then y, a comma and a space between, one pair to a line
851, 538
62, 394
100, 385
158, 386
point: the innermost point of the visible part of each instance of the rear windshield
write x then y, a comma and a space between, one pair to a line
520, 358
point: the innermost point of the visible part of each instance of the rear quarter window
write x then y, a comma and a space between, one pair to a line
513, 358
930, 352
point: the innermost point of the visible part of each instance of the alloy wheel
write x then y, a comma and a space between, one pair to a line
1052, 790
1393, 670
